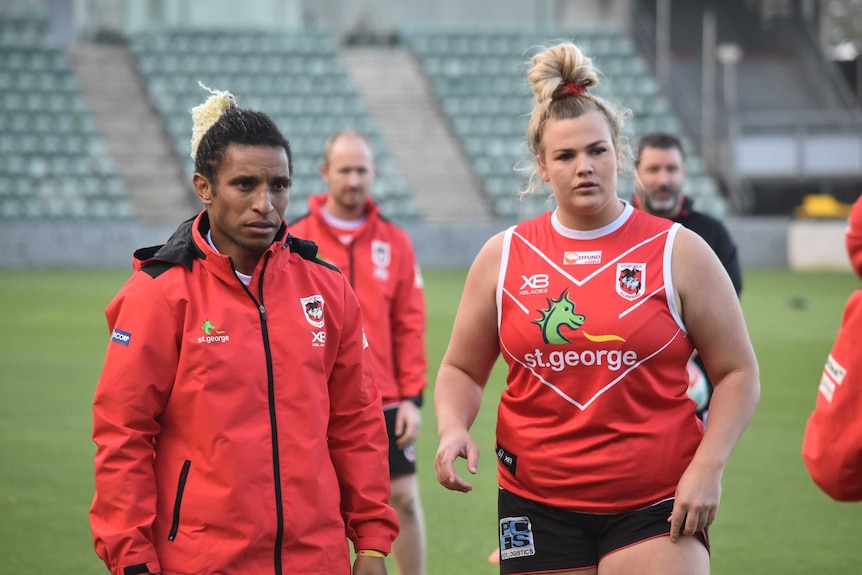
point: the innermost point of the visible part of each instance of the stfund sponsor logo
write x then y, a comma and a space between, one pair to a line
121, 337
516, 537
212, 334
582, 258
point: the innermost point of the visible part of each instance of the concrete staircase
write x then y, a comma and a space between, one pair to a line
134, 133
430, 159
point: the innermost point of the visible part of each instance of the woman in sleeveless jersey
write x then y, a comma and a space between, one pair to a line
602, 464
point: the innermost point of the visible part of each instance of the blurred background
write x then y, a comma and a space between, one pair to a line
95, 98
94, 162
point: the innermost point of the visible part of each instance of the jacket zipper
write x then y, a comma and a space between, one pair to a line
352, 278
270, 382
178, 502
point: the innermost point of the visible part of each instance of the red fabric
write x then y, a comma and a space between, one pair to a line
600, 423
854, 237
195, 380
380, 264
832, 446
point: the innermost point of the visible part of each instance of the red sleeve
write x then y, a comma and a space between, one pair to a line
408, 324
358, 443
832, 447
139, 370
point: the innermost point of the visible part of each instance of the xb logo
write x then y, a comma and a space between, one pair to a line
318, 337
538, 281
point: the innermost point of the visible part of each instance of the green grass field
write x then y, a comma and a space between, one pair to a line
772, 519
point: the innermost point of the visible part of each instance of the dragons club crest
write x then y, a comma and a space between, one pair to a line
312, 306
631, 279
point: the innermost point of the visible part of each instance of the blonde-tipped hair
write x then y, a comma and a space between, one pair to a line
206, 114
565, 65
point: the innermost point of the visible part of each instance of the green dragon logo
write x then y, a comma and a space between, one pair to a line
209, 328
560, 313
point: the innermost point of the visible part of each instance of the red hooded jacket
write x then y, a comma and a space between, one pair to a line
379, 262
237, 428
832, 446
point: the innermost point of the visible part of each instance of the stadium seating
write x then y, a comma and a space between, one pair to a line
479, 77
296, 77
54, 162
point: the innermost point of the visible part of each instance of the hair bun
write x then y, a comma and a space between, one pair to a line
559, 65
206, 114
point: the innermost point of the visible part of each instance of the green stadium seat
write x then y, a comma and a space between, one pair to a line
296, 77
48, 137
10, 209
464, 66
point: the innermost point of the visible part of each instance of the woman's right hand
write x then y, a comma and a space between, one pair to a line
452, 446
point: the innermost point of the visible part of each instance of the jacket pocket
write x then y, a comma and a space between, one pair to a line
178, 502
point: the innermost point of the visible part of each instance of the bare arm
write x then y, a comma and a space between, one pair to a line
712, 314
466, 366
369, 566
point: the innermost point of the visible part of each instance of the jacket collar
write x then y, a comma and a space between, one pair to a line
188, 243
686, 208
316, 202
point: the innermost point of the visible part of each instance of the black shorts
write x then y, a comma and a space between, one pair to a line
401, 461
536, 538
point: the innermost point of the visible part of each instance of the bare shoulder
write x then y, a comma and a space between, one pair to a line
689, 243
487, 261
481, 282
700, 280
493, 248
692, 257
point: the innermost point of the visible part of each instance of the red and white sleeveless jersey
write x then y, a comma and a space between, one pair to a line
595, 417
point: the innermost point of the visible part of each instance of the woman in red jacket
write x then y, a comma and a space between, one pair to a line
832, 448
237, 428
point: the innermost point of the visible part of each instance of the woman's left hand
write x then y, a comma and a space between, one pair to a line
696, 501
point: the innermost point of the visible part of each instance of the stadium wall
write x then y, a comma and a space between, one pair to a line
817, 245
371, 19
763, 242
